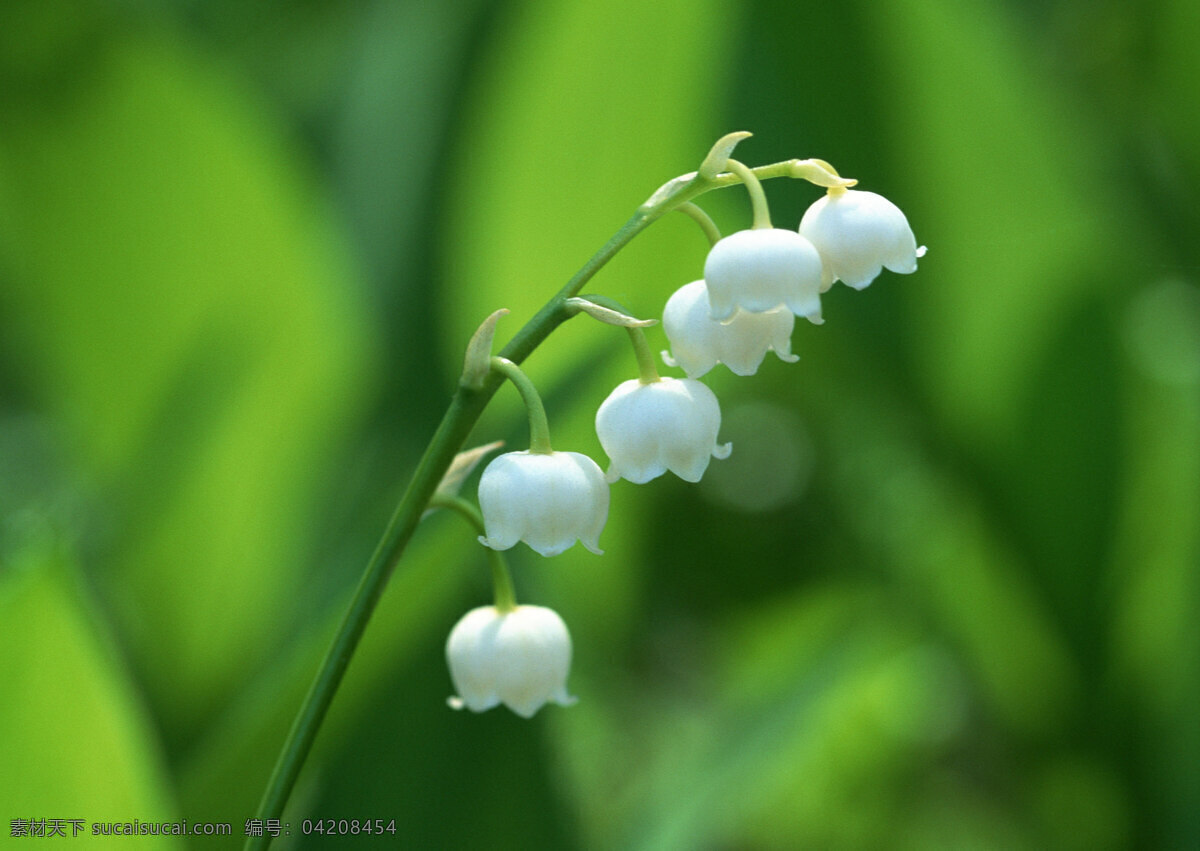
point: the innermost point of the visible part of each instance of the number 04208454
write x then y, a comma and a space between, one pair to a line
347, 827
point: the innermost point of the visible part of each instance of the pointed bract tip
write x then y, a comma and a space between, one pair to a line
718, 157
478, 360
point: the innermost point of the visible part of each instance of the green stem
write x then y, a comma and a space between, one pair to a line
758, 198
647, 371
505, 595
539, 426
464, 410
703, 219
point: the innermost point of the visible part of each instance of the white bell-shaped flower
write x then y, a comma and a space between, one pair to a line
763, 269
520, 658
546, 499
699, 342
669, 424
857, 233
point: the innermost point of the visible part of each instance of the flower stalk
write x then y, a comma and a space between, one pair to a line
711, 232
539, 425
464, 409
502, 584
758, 198
647, 370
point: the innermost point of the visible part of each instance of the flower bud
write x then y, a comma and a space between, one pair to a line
669, 424
546, 499
857, 233
764, 269
519, 658
699, 342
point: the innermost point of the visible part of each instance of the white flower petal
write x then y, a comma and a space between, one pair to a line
470, 651
699, 342
520, 658
857, 234
760, 270
548, 500
648, 429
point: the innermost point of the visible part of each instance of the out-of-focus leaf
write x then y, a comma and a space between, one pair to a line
931, 533
551, 171
74, 741
1061, 494
844, 768
1174, 73
1002, 181
797, 725
1157, 602
715, 763
186, 315
391, 133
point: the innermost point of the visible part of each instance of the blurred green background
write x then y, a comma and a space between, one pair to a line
942, 595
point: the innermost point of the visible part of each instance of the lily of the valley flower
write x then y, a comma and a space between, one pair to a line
520, 657
763, 269
650, 428
699, 342
546, 499
858, 233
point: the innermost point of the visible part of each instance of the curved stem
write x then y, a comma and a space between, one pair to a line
502, 584
539, 426
647, 371
703, 219
464, 410
758, 198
